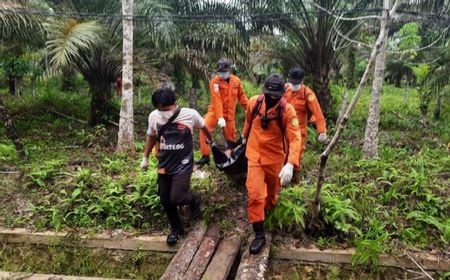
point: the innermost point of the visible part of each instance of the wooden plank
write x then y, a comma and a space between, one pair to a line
427, 261
223, 259
254, 267
31, 276
181, 261
102, 240
204, 254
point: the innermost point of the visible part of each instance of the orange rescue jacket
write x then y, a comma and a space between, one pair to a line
265, 146
304, 100
224, 96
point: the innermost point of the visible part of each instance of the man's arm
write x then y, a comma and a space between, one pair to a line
243, 100
149, 144
293, 135
207, 133
314, 108
216, 99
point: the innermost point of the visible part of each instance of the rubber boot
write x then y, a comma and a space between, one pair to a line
195, 208
175, 224
203, 160
260, 238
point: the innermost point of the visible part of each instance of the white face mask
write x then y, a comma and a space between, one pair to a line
296, 87
165, 114
224, 75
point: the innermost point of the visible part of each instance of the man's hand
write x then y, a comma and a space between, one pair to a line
221, 122
144, 163
322, 137
286, 174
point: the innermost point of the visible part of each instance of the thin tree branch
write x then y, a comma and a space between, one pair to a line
344, 18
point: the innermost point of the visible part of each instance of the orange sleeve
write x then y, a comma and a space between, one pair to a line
314, 108
242, 96
248, 116
216, 100
293, 137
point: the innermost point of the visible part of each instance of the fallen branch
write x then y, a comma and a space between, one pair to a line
421, 268
69, 117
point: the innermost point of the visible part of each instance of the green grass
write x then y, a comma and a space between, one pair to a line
59, 259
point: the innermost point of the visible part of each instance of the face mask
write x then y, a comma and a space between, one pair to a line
165, 114
271, 100
296, 87
224, 75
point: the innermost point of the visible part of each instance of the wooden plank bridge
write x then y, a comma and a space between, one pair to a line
204, 256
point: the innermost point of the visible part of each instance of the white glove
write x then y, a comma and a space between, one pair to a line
244, 140
222, 123
286, 174
322, 137
144, 163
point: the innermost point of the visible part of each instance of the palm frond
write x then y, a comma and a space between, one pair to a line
67, 38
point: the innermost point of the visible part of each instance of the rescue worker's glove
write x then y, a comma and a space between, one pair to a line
322, 137
244, 140
286, 174
144, 163
222, 123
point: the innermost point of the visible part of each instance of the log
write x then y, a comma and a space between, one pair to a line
344, 256
254, 267
223, 259
204, 254
181, 261
31, 276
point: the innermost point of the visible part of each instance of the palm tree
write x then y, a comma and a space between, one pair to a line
94, 47
202, 41
305, 35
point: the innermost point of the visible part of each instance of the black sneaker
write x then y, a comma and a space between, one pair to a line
257, 244
195, 208
203, 160
174, 236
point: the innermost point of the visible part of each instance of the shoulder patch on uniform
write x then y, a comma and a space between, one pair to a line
311, 97
294, 122
216, 87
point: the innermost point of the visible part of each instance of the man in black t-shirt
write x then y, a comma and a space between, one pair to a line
172, 129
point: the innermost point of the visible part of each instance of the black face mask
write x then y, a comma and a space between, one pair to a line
271, 101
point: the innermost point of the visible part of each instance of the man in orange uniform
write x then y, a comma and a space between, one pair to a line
226, 89
303, 99
270, 123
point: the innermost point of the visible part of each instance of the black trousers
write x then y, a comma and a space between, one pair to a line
174, 192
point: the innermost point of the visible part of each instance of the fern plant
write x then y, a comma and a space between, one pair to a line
368, 251
290, 209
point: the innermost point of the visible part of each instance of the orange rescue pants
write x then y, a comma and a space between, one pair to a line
263, 186
229, 132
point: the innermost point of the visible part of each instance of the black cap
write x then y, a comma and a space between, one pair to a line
296, 75
223, 65
274, 84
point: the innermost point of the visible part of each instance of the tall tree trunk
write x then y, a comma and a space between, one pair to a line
437, 110
126, 129
193, 95
323, 93
12, 85
315, 210
68, 79
11, 131
370, 147
18, 86
101, 107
